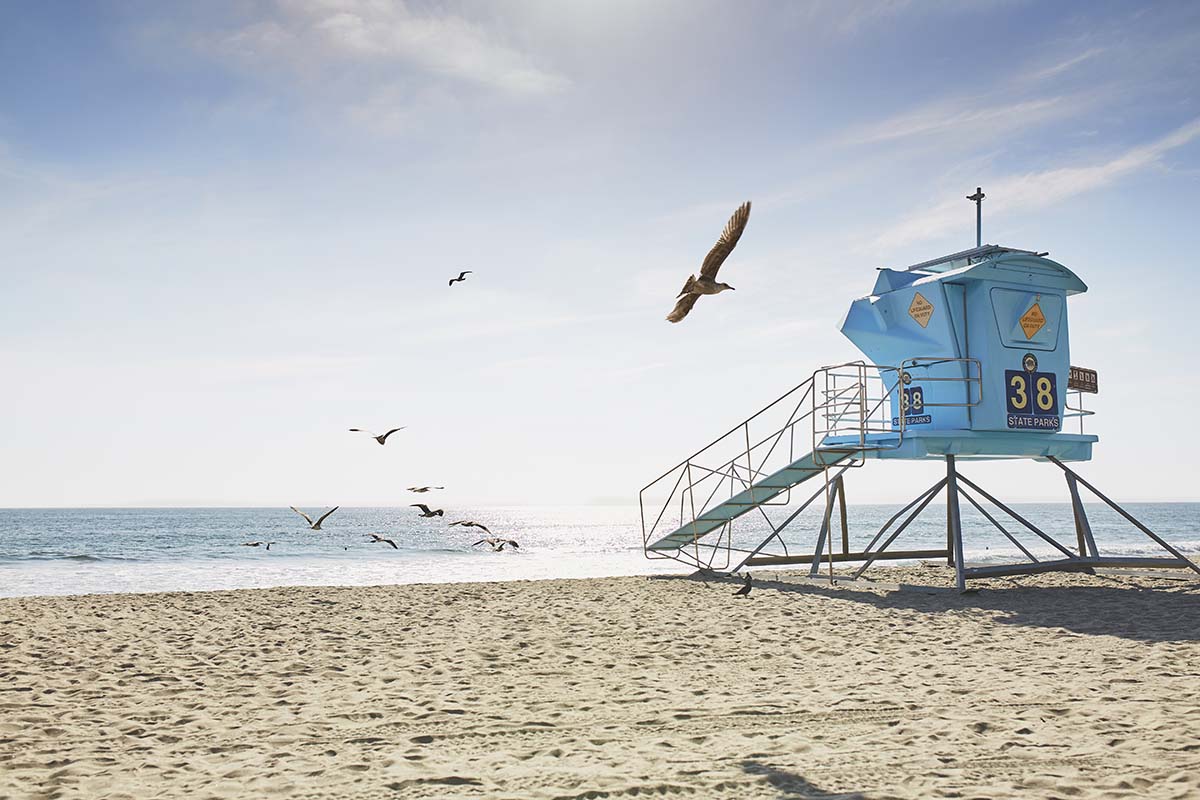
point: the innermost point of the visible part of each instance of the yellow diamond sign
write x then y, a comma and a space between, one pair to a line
1032, 321
921, 310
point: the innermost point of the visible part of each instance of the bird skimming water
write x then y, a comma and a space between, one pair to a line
498, 544
707, 283
375, 537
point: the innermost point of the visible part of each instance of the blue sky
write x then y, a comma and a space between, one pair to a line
225, 231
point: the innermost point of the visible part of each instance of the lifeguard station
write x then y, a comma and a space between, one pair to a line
969, 359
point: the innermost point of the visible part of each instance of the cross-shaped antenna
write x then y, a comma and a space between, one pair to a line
978, 200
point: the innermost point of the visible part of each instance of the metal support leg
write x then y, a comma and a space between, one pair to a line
841, 488
1028, 525
821, 537
777, 532
954, 523
1083, 529
963, 492
949, 527
924, 500
1129, 517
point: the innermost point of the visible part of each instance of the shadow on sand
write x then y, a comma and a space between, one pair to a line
793, 787
1114, 607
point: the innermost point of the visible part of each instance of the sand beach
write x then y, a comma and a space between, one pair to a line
1048, 686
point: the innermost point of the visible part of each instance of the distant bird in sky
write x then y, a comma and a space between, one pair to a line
462, 276
423, 489
497, 543
257, 544
746, 586
466, 523
381, 438
426, 511
316, 526
707, 283
375, 537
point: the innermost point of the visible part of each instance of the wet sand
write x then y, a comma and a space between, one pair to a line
1055, 686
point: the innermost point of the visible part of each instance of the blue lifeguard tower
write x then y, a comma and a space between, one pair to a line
969, 359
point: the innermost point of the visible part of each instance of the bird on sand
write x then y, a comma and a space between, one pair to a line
462, 276
707, 283
257, 544
466, 523
498, 544
423, 489
381, 438
375, 537
426, 511
316, 526
745, 590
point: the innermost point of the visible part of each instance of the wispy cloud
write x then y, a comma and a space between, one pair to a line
847, 17
1034, 190
961, 116
300, 33
1053, 70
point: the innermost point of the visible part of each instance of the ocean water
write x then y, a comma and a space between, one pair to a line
84, 551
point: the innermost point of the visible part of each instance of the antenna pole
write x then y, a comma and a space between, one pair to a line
978, 200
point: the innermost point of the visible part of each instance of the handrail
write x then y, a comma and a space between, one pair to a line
732, 430
852, 401
1077, 411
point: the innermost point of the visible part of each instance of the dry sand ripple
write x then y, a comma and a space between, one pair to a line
606, 688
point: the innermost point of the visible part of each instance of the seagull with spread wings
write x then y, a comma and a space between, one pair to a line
462, 276
375, 537
467, 523
707, 283
316, 526
426, 511
381, 438
423, 489
498, 544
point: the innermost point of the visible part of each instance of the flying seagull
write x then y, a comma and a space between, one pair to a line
466, 523
707, 283
423, 489
375, 537
462, 276
497, 543
745, 590
426, 511
382, 439
316, 526
257, 544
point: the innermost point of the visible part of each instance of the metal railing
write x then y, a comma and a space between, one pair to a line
1077, 411
852, 402
844, 412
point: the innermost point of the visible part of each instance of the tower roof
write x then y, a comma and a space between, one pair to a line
989, 262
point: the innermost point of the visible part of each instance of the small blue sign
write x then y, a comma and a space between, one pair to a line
1031, 399
912, 406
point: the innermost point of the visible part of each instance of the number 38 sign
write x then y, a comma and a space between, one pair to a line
1031, 399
